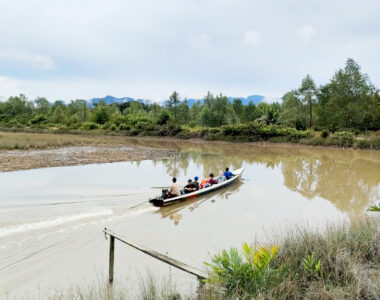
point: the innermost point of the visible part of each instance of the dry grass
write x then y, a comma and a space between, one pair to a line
25, 141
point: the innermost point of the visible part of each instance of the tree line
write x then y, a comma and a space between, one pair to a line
349, 101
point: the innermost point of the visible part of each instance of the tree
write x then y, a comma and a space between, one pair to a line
79, 108
42, 106
307, 93
293, 111
251, 112
100, 113
238, 107
173, 103
348, 101
184, 112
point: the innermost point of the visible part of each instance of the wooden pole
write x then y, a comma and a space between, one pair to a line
112, 258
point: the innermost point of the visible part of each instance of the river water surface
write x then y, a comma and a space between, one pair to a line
51, 219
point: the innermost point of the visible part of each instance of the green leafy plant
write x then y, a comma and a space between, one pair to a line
312, 266
245, 271
374, 207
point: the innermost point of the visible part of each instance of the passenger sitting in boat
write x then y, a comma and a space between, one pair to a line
228, 174
189, 187
175, 189
211, 179
196, 183
221, 177
203, 183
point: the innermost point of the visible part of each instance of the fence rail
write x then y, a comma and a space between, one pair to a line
162, 257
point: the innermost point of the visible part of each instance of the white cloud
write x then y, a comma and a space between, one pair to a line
251, 38
36, 60
122, 48
200, 42
306, 33
8, 87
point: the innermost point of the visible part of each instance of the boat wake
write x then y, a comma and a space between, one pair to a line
52, 222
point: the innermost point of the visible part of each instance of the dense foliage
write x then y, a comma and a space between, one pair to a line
348, 103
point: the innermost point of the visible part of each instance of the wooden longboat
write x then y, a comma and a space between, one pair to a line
160, 201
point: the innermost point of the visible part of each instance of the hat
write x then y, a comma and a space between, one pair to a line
196, 178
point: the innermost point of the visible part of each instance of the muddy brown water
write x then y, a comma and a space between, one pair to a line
51, 219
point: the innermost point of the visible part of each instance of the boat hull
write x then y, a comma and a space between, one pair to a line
163, 202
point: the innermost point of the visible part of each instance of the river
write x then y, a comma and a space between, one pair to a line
51, 219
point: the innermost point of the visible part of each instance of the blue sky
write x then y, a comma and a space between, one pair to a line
83, 49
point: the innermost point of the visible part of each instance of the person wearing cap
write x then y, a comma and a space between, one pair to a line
196, 183
189, 187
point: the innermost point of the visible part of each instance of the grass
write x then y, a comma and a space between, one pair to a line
150, 287
25, 141
341, 263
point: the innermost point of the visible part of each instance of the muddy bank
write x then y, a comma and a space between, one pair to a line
13, 160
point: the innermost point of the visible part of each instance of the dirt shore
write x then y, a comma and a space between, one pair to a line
13, 160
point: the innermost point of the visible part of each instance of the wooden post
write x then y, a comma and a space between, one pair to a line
112, 258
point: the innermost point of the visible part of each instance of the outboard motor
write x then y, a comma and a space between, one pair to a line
165, 193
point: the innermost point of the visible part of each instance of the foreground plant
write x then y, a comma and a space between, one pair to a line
242, 272
374, 207
341, 262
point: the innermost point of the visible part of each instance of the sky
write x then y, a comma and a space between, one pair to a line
80, 49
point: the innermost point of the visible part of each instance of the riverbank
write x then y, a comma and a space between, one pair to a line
340, 262
241, 133
27, 150
23, 151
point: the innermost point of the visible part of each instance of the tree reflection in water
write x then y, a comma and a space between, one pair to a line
348, 178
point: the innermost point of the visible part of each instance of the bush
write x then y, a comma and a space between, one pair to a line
124, 126
89, 126
347, 137
14, 124
38, 119
143, 125
242, 273
114, 127
163, 118
325, 133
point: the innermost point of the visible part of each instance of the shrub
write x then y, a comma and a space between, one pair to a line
347, 137
374, 207
89, 126
242, 272
325, 133
14, 124
163, 118
124, 126
38, 119
143, 125
114, 127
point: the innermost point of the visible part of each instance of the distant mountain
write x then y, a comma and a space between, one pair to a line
110, 100
256, 99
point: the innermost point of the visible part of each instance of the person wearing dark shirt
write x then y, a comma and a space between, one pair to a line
228, 174
196, 183
212, 180
189, 187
